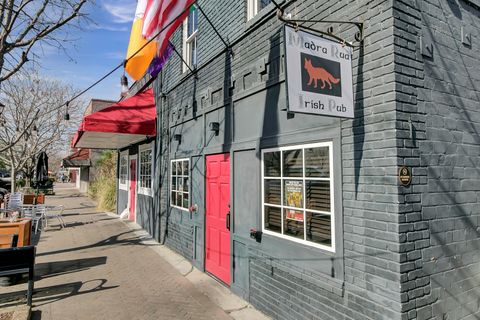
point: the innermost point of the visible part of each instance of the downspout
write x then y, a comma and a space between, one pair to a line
158, 156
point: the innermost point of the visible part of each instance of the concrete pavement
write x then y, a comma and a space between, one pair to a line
100, 267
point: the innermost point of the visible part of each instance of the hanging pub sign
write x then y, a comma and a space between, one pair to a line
318, 75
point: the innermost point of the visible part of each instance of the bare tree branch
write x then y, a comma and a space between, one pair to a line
32, 102
26, 23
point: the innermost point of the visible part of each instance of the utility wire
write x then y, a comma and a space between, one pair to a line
128, 58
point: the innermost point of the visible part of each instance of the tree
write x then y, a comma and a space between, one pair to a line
27, 23
33, 120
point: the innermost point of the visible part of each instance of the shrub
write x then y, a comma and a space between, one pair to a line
104, 188
20, 183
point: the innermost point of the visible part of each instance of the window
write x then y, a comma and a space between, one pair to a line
190, 31
123, 172
298, 194
145, 171
254, 6
179, 191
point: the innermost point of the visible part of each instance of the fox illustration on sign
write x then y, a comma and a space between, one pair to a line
318, 73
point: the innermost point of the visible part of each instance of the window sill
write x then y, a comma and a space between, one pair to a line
145, 192
122, 187
180, 208
301, 242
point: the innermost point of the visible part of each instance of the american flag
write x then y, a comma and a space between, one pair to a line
158, 14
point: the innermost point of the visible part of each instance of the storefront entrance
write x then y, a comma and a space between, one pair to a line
218, 219
133, 184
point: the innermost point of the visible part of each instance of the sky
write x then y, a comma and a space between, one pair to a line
95, 50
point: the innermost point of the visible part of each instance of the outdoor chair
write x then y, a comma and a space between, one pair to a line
13, 200
18, 261
5, 213
55, 212
36, 213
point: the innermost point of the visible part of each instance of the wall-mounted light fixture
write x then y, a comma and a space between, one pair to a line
67, 115
214, 126
124, 85
177, 137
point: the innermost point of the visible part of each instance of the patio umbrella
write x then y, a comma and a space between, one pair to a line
41, 169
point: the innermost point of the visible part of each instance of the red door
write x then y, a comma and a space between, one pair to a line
217, 216
133, 184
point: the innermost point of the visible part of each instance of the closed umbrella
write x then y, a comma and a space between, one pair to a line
41, 169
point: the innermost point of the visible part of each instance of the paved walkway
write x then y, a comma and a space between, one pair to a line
98, 268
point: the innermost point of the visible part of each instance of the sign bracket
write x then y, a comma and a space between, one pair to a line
296, 23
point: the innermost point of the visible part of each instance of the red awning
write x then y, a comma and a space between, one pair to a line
80, 154
123, 123
80, 158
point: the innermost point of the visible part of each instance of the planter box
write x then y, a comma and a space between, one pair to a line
23, 228
32, 199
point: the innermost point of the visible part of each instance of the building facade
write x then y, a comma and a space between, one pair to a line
304, 215
81, 162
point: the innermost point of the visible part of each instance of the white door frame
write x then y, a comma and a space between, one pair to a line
133, 157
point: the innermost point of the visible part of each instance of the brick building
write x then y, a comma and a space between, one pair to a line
81, 162
360, 245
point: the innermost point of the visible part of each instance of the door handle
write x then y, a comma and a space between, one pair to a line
228, 221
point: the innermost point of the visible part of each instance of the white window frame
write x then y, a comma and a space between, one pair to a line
171, 190
328, 144
147, 191
123, 186
187, 42
252, 9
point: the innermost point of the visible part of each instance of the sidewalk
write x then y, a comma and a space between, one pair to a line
100, 267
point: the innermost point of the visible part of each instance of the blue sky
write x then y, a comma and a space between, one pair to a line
96, 50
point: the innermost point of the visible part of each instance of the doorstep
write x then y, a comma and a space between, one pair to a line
232, 304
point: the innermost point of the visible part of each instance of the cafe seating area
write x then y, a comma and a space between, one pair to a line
24, 214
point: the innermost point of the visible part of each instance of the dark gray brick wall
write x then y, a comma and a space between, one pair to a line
372, 261
145, 218
180, 237
438, 97
122, 200
409, 252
